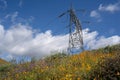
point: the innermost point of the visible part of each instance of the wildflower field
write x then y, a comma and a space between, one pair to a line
101, 64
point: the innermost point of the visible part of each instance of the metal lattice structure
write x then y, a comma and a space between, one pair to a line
75, 32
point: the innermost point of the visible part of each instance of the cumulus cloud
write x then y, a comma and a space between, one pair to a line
110, 7
93, 41
3, 4
102, 42
23, 40
94, 14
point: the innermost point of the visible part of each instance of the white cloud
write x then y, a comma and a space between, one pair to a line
13, 17
93, 41
94, 14
102, 42
20, 3
22, 40
110, 8
3, 4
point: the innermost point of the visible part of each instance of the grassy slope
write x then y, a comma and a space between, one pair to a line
61, 66
2, 62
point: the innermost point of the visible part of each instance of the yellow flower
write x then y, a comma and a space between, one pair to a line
17, 75
76, 68
61, 68
78, 78
88, 67
83, 64
68, 75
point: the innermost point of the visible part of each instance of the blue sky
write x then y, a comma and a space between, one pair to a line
38, 19
45, 11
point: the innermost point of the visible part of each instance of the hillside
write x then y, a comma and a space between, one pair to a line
100, 64
3, 62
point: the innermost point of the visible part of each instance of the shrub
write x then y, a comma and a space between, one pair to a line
107, 69
4, 68
108, 49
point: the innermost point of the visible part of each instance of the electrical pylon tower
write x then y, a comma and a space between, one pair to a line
75, 32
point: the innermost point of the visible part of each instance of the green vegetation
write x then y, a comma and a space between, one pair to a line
101, 64
3, 62
107, 69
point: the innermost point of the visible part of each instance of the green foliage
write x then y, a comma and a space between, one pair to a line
108, 49
56, 56
4, 68
107, 69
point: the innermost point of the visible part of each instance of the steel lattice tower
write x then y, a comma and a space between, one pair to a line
75, 32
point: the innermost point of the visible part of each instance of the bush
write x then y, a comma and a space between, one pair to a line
55, 57
108, 49
4, 68
107, 69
